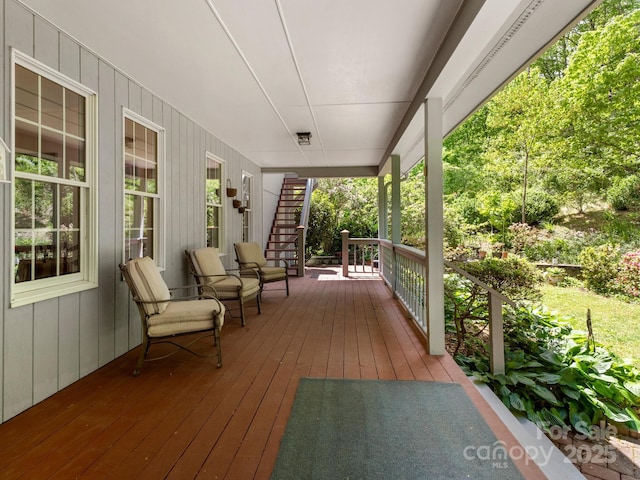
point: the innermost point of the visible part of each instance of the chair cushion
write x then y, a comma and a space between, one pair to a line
149, 285
250, 253
273, 273
187, 316
207, 262
250, 286
228, 288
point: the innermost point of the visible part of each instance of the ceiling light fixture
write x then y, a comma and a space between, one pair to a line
304, 138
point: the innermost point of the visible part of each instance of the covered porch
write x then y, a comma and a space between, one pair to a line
184, 418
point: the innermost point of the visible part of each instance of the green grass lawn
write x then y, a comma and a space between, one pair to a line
616, 324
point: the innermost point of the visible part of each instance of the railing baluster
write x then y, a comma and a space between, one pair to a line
496, 335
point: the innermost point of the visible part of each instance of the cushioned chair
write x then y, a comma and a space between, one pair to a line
165, 317
250, 258
207, 269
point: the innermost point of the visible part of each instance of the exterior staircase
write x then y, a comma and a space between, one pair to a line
283, 238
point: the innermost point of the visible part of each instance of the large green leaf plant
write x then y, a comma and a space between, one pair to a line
559, 377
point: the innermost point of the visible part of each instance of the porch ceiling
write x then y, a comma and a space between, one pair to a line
353, 73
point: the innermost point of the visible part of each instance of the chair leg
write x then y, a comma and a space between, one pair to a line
258, 300
241, 301
143, 353
286, 281
216, 337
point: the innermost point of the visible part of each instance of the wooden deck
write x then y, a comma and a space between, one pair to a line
184, 418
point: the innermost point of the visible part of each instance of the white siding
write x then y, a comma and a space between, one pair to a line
46, 346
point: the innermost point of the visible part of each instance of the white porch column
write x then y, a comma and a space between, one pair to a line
434, 226
396, 224
383, 227
396, 219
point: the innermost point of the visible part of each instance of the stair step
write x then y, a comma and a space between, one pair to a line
283, 236
302, 181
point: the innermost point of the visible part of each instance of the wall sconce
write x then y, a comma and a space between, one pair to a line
304, 138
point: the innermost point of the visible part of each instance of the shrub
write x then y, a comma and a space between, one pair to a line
521, 237
467, 207
563, 244
628, 279
322, 224
624, 193
600, 267
540, 207
466, 305
454, 228
514, 277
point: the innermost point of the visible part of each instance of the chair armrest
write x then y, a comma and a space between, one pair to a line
201, 296
185, 287
198, 276
211, 293
245, 270
248, 265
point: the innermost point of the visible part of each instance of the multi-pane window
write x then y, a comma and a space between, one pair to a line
143, 146
54, 212
213, 187
247, 185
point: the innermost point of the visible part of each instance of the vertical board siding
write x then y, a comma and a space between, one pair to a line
5, 267
17, 391
18, 28
122, 326
18, 360
45, 347
89, 332
108, 198
49, 345
69, 58
46, 43
69, 341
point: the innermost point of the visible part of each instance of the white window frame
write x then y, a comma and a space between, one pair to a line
24, 293
223, 211
248, 208
159, 244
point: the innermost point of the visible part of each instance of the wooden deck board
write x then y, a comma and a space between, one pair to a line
185, 418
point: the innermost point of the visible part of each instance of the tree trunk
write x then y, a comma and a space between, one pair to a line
524, 187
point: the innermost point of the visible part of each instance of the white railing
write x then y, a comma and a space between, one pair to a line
403, 269
359, 255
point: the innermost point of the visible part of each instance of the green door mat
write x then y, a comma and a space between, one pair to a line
373, 429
